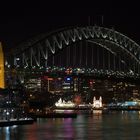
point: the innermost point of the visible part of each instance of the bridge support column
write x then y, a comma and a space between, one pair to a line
2, 81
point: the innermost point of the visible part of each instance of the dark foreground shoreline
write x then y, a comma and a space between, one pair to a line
16, 122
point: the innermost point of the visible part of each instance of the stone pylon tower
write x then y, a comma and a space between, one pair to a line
2, 81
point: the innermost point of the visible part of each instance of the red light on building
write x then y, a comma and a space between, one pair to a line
91, 83
45, 77
50, 79
78, 99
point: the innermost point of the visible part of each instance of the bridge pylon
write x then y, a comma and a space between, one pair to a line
2, 78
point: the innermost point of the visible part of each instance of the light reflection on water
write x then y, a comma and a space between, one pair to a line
109, 126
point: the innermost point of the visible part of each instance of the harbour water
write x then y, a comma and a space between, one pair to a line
123, 125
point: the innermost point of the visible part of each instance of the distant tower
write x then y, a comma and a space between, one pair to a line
2, 81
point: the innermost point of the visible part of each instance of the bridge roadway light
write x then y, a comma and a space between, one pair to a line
16, 61
8, 66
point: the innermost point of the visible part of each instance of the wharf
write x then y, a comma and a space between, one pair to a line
11, 122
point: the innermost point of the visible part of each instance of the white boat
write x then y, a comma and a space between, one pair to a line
63, 104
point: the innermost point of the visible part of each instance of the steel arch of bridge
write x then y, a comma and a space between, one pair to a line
43, 47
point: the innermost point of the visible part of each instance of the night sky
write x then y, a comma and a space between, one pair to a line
20, 23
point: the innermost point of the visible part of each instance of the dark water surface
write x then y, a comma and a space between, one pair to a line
108, 126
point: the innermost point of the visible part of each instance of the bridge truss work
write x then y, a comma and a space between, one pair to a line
91, 50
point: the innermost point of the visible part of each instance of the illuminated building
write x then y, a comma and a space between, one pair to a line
97, 103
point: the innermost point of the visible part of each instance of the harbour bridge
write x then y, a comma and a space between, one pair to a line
79, 51
75, 64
